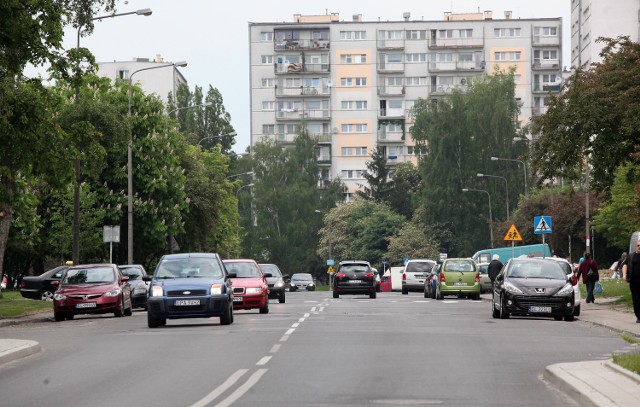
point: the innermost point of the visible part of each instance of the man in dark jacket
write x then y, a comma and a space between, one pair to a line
494, 268
631, 273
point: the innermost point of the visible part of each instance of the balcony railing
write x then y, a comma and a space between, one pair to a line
390, 136
301, 44
471, 42
538, 111
546, 87
390, 67
539, 40
303, 91
391, 44
446, 89
300, 67
545, 64
296, 114
391, 90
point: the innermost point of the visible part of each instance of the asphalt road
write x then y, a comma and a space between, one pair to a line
396, 350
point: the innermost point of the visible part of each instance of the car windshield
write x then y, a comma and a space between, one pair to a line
270, 268
483, 268
189, 268
243, 269
459, 265
301, 277
419, 266
133, 273
549, 270
90, 275
354, 268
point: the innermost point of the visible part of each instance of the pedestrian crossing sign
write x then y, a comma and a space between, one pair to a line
513, 235
542, 225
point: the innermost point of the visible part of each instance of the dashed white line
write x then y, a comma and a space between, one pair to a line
290, 331
253, 379
220, 389
263, 361
321, 309
284, 338
275, 348
307, 315
313, 309
297, 324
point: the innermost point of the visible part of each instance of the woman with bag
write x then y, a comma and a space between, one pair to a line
588, 269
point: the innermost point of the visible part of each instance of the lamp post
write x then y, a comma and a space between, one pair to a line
506, 187
523, 166
490, 216
75, 250
166, 117
130, 160
238, 175
238, 203
232, 134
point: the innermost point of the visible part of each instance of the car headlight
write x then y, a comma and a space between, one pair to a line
59, 297
254, 290
156, 291
216, 289
310, 284
512, 288
279, 284
113, 293
566, 290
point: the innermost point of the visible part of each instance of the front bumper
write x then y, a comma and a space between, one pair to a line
530, 305
276, 292
208, 306
249, 301
101, 305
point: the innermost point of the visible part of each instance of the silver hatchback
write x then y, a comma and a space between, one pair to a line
416, 271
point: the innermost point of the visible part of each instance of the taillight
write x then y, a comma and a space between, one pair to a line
341, 275
442, 278
477, 277
404, 277
368, 275
23, 284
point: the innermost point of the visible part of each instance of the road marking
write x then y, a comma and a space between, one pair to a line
253, 379
321, 309
220, 389
313, 309
301, 320
289, 332
449, 301
284, 338
263, 361
297, 324
275, 348
307, 315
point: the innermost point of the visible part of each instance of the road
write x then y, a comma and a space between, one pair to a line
396, 350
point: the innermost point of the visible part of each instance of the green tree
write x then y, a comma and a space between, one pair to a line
411, 241
377, 176
405, 186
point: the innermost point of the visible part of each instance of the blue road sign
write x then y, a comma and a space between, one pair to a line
542, 225
330, 262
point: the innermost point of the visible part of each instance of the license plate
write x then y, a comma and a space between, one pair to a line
459, 283
186, 302
86, 305
355, 281
540, 310
237, 299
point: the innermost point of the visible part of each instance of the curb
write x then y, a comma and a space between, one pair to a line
618, 369
20, 350
612, 328
556, 375
19, 321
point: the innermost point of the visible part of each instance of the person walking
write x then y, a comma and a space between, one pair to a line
494, 268
631, 274
618, 271
588, 270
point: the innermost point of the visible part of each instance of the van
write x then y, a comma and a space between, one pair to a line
505, 253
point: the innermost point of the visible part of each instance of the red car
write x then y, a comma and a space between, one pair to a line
92, 289
250, 289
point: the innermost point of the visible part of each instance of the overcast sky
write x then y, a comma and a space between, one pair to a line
212, 35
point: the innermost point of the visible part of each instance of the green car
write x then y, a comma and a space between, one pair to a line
458, 277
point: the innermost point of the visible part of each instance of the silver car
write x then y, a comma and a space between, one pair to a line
416, 271
485, 281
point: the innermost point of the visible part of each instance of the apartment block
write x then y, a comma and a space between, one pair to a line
355, 82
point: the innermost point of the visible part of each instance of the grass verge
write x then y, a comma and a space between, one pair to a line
612, 288
629, 361
12, 305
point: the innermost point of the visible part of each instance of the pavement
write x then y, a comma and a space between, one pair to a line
599, 383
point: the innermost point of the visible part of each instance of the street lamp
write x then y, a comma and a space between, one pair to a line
232, 134
75, 250
506, 187
130, 160
166, 117
523, 166
490, 216
237, 175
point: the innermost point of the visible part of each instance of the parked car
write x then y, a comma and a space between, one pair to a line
568, 269
414, 274
41, 287
458, 277
189, 285
92, 289
485, 281
139, 287
275, 282
354, 277
533, 286
431, 282
250, 289
302, 281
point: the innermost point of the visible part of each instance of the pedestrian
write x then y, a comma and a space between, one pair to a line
588, 270
631, 273
494, 268
618, 270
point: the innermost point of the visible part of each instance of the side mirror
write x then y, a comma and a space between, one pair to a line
147, 278
232, 275
55, 283
125, 278
500, 277
265, 275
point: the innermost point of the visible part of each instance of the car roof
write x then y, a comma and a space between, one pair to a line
188, 255
353, 261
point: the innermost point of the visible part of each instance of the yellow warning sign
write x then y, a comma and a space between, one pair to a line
513, 234
330, 270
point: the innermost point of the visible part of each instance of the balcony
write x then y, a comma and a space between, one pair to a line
538, 111
390, 67
546, 87
303, 91
545, 64
324, 159
301, 45
472, 42
285, 67
322, 138
391, 113
285, 138
391, 90
545, 41
447, 89
393, 159
390, 136
390, 44
298, 114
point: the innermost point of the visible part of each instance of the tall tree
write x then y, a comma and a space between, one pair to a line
377, 177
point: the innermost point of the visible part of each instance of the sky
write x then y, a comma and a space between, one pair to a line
212, 35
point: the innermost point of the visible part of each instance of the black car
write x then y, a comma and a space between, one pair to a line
530, 286
40, 287
139, 287
302, 281
354, 277
275, 282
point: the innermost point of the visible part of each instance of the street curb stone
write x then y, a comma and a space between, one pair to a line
17, 349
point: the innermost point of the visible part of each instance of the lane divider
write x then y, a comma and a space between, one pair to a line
220, 389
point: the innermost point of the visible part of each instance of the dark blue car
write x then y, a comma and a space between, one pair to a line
189, 285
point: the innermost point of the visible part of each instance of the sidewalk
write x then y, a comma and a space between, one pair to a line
590, 383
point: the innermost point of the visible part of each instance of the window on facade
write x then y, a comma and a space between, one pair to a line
267, 59
507, 32
394, 58
466, 33
445, 57
354, 128
268, 106
354, 104
550, 55
445, 33
508, 56
267, 82
351, 174
416, 34
353, 59
416, 81
546, 31
292, 83
266, 36
465, 57
354, 151
394, 104
394, 80
268, 129
353, 35
421, 57
123, 74
394, 35
320, 35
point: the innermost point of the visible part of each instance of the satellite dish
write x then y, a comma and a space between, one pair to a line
329, 83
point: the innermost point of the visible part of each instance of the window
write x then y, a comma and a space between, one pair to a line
415, 150
266, 36
394, 35
353, 59
416, 34
466, 33
550, 55
394, 104
123, 74
394, 80
465, 57
506, 32
320, 35
287, 129
268, 129
445, 33
353, 82
416, 81
351, 174
267, 82
445, 57
267, 59
354, 151
292, 83
354, 128
546, 31
507, 56
517, 79
422, 57
354, 104
393, 58
353, 35
268, 106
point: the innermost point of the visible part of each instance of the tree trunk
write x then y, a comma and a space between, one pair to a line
5, 224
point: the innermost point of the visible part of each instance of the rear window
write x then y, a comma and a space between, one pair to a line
419, 267
354, 267
459, 265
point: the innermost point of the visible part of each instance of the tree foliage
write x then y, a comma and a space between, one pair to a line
377, 177
411, 241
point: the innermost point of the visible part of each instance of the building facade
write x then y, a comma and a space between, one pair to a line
354, 82
591, 19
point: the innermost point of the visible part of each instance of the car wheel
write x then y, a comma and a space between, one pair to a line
59, 317
120, 312
476, 297
69, 317
265, 309
503, 312
372, 295
576, 311
496, 312
557, 317
152, 322
568, 318
281, 298
335, 294
46, 295
227, 317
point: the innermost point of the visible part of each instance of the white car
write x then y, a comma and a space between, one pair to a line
568, 269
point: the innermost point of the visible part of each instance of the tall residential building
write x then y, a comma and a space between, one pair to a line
354, 82
591, 19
